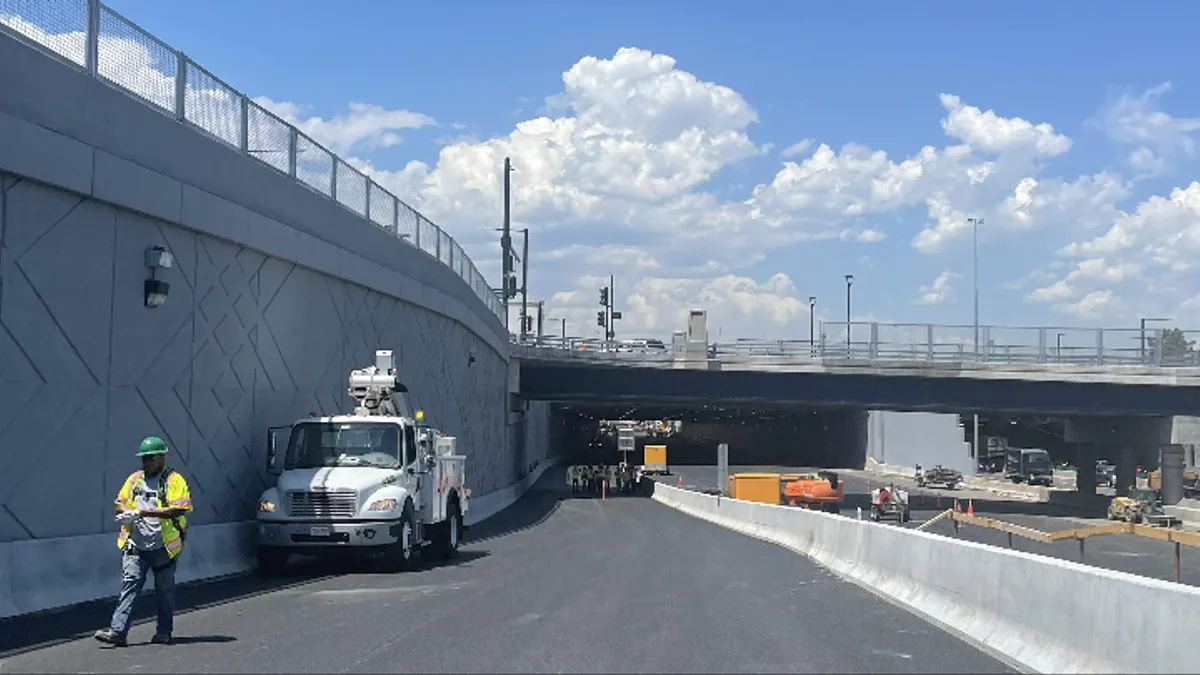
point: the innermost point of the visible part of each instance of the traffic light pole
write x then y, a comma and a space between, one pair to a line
525, 286
611, 301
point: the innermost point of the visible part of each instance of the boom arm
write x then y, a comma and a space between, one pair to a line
373, 388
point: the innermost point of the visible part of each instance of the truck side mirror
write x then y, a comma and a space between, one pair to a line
273, 467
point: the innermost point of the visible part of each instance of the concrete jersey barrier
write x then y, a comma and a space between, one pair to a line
44, 574
1037, 613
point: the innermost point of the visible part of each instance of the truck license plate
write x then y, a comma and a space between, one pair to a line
319, 531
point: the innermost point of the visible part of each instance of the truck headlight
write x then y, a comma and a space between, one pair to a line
382, 505
265, 506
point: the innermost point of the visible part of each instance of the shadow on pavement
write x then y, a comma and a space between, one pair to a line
52, 627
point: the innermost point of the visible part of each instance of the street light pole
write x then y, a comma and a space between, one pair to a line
975, 223
812, 335
849, 283
506, 242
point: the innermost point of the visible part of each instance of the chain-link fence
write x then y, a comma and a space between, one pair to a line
92, 36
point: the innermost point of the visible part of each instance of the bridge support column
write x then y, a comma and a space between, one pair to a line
1127, 440
1085, 466
1172, 473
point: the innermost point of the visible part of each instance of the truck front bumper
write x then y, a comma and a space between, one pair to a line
363, 533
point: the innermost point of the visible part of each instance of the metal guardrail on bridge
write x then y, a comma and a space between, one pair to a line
914, 342
89, 35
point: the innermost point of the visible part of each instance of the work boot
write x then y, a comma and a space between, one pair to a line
110, 636
161, 639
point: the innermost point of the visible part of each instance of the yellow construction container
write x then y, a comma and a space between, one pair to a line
755, 487
655, 460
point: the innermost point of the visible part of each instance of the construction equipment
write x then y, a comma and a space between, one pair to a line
655, 461
1142, 505
754, 487
889, 502
939, 475
374, 481
821, 491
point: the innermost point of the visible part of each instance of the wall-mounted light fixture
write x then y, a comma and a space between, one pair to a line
157, 258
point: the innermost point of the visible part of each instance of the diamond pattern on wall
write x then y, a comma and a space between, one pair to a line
243, 342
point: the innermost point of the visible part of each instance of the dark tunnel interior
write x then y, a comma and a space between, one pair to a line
793, 437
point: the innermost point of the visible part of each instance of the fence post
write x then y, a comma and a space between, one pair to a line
293, 149
333, 175
244, 140
396, 216
92, 38
929, 340
1100, 346
181, 61
367, 198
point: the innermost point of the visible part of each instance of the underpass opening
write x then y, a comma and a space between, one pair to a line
757, 436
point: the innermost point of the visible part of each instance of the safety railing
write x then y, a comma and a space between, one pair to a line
917, 342
93, 37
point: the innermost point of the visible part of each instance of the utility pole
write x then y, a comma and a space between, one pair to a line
506, 243
849, 283
541, 317
525, 285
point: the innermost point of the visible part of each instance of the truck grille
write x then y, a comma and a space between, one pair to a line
323, 504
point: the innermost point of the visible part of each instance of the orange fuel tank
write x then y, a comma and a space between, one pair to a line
822, 490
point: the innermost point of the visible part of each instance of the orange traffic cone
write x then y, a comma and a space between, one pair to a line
957, 508
679, 483
970, 507
939, 502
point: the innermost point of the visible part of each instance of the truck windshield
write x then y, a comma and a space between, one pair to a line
369, 444
1038, 460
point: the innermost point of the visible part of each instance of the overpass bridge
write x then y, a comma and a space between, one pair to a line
288, 267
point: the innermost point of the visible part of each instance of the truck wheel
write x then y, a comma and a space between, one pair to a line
272, 562
449, 536
401, 554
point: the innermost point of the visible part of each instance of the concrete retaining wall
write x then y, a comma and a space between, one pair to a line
1054, 617
44, 574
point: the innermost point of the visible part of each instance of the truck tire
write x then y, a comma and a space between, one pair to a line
401, 556
449, 536
272, 561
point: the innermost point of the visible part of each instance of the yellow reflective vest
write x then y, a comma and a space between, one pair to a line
178, 497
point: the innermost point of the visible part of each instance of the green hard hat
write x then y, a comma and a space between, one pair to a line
152, 445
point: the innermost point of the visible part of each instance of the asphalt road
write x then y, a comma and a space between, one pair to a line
1122, 552
553, 584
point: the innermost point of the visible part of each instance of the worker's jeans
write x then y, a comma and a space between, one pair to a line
135, 565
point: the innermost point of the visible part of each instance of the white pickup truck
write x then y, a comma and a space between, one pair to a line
376, 480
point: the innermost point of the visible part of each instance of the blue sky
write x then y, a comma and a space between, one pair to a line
841, 73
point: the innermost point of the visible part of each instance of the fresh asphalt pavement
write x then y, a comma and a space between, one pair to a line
1121, 552
555, 583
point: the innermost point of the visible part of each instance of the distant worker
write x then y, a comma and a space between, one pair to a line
152, 508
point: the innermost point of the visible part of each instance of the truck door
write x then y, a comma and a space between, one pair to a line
274, 437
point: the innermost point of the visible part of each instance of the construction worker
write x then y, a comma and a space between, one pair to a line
152, 507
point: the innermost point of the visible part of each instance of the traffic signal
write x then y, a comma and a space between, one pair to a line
604, 297
528, 321
512, 286
600, 318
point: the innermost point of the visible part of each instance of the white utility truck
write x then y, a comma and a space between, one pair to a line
377, 480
